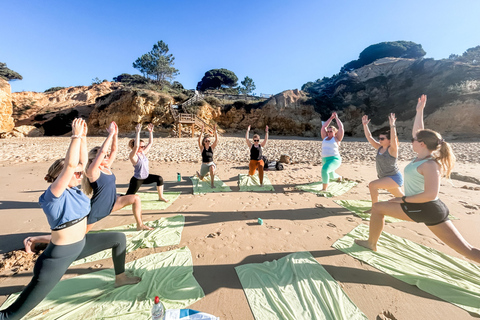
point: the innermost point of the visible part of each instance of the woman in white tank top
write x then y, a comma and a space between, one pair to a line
330, 155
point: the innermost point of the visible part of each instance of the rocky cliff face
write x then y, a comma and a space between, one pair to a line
6, 110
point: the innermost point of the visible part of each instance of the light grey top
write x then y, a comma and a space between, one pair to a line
386, 164
141, 167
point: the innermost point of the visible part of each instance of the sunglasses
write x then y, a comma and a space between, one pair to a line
329, 131
141, 147
415, 139
207, 140
256, 140
382, 138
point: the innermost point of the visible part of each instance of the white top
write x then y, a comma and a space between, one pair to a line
330, 148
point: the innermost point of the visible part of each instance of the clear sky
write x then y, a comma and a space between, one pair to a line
279, 44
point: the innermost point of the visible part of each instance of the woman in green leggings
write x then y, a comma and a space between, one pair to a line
331, 158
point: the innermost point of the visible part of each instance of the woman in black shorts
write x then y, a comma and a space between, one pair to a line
422, 185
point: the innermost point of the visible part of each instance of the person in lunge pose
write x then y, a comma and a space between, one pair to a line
66, 208
206, 149
331, 158
256, 161
420, 203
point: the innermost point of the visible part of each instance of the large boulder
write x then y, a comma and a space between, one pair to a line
6, 120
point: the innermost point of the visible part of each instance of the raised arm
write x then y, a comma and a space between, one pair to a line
200, 138
418, 123
325, 125
264, 142
83, 148
249, 144
114, 147
93, 170
214, 145
393, 150
72, 159
341, 132
368, 134
150, 138
133, 154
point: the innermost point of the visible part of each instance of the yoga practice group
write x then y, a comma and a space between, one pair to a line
71, 214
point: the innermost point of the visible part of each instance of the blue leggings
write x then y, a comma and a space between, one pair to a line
330, 164
54, 262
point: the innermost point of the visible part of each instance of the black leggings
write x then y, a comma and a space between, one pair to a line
136, 183
54, 262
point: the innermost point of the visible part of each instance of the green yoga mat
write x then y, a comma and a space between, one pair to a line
449, 278
168, 275
150, 200
166, 232
295, 287
252, 183
334, 188
201, 187
358, 207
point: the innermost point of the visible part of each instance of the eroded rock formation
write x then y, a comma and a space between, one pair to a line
6, 110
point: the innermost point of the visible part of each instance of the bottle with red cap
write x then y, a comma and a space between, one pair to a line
158, 311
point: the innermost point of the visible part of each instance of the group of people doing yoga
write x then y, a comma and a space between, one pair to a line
71, 214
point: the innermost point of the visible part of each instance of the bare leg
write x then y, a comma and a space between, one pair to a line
447, 232
122, 280
160, 193
383, 183
212, 176
136, 203
29, 242
324, 187
377, 220
199, 176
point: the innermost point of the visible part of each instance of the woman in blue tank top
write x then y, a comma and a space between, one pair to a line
389, 176
420, 203
206, 149
66, 208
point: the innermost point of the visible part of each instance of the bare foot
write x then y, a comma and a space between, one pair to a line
366, 244
340, 179
143, 227
163, 199
123, 280
29, 245
199, 176
213, 186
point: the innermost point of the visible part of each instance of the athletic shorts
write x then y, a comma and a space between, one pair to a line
398, 178
205, 169
431, 213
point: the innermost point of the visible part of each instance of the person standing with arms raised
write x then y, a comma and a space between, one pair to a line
331, 158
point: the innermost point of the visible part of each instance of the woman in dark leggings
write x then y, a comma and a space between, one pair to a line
66, 208
140, 163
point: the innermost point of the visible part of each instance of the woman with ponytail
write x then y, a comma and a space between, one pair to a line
420, 203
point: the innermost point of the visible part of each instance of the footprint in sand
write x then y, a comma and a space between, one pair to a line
274, 228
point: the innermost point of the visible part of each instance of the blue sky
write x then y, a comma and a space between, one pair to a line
279, 44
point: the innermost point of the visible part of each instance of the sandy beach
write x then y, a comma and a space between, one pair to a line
221, 229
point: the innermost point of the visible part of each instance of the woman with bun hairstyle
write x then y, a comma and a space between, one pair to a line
331, 158
420, 203
66, 208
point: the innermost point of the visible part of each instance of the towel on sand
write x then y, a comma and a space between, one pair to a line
204, 186
150, 200
334, 188
166, 232
295, 287
252, 183
452, 279
168, 275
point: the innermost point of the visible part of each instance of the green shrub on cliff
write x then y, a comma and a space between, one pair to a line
218, 78
471, 56
53, 89
8, 74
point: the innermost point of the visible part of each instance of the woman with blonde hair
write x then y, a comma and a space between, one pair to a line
206, 149
256, 153
420, 203
331, 158
66, 208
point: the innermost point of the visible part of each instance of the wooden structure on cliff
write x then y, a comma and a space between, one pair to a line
188, 119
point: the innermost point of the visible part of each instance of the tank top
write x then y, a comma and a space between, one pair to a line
71, 205
104, 195
330, 148
414, 181
386, 164
256, 153
141, 167
207, 155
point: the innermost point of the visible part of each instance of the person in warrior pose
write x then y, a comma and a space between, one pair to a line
256, 161
331, 158
206, 149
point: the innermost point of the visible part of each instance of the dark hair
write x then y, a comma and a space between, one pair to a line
385, 133
131, 143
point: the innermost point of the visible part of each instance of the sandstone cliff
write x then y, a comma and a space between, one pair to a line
6, 110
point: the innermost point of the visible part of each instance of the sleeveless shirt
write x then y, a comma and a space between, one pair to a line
141, 167
414, 181
104, 197
256, 153
207, 155
330, 148
386, 164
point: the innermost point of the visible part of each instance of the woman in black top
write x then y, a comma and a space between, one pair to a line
206, 148
256, 161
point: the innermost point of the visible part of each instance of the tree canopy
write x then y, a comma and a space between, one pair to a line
248, 85
216, 79
157, 64
472, 56
8, 74
396, 49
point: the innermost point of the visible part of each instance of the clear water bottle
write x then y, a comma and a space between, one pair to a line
158, 311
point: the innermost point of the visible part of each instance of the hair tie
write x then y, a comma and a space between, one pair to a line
441, 141
47, 177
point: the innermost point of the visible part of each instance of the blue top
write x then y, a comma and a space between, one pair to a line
72, 204
104, 197
141, 167
414, 181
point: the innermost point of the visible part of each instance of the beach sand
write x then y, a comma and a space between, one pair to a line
221, 229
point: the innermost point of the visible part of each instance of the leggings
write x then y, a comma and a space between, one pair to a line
330, 164
254, 165
54, 262
136, 183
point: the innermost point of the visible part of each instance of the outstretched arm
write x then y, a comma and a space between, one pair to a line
340, 133
200, 138
249, 144
83, 148
264, 142
393, 150
150, 138
72, 159
214, 145
93, 170
133, 154
113, 149
418, 124
326, 124
368, 134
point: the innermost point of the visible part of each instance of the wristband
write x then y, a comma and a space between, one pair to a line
74, 136
393, 126
403, 199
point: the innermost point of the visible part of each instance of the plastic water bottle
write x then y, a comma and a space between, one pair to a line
158, 311
179, 177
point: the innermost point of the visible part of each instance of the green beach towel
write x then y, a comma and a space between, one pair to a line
150, 200
168, 275
252, 183
358, 207
295, 287
166, 232
334, 188
201, 187
449, 278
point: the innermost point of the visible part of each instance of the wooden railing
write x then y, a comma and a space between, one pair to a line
191, 120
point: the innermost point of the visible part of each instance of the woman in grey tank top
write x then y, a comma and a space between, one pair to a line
389, 177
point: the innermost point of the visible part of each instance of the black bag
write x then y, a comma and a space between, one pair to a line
265, 163
272, 165
279, 166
